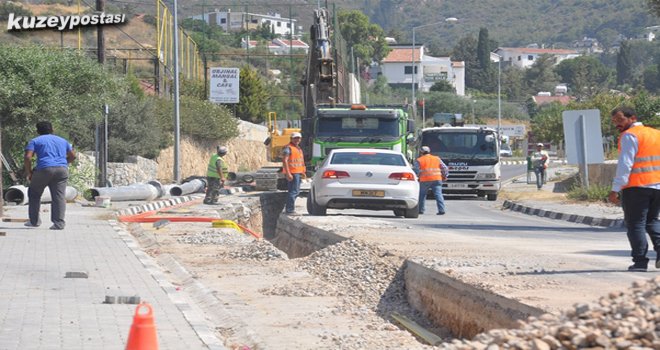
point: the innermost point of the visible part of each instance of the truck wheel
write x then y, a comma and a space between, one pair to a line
491, 196
399, 212
411, 213
313, 208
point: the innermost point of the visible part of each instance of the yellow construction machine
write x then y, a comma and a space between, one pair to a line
270, 177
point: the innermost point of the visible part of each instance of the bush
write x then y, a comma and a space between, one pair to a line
595, 193
199, 118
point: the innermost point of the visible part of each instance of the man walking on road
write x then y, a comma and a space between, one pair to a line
638, 179
216, 173
294, 168
540, 163
53, 157
431, 171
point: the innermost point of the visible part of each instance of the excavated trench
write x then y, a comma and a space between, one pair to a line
432, 298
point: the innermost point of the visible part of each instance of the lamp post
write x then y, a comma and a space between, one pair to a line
493, 57
412, 57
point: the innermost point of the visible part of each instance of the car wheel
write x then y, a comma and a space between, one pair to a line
491, 196
313, 208
411, 213
399, 212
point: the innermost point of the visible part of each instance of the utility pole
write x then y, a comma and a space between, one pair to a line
100, 39
2, 203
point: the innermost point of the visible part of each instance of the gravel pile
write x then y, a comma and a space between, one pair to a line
361, 271
315, 289
220, 236
620, 320
259, 250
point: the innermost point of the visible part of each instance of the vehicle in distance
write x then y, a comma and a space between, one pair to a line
373, 179
505, 150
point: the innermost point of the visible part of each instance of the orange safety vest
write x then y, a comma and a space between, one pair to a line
429, 168
296, 160
646, 167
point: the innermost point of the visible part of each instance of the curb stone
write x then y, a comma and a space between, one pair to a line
578, 219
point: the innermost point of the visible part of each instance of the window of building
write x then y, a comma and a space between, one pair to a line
223, 20
519, 58
279, 24
530, 58
288, 25
408, 70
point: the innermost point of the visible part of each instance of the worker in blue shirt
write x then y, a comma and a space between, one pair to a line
53, 157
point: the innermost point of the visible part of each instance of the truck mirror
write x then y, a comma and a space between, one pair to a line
489, 138
410, 139
411, 125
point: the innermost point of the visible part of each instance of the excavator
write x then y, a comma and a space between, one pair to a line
270, 177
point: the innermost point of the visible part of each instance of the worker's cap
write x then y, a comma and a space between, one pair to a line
296, 134
222, 149
426, 149
539, 145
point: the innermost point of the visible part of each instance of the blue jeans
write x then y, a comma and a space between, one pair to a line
436, 187
539, 171
293, 187
641, 207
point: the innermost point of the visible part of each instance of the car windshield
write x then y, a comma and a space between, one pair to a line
358, 127
463, 146
368, 158
505, 147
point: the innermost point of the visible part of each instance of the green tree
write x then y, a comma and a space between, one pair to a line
652, 78
624, 69
253, 96
483, 50
466, 50
541, 75
366, 39
585, 75
443, 86
655, 6
513, 84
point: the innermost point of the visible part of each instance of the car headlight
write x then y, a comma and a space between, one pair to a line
486, 176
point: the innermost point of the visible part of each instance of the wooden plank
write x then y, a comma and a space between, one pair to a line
419, 331
13, 220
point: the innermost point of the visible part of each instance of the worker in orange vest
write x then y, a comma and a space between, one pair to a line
294, 169
638, 179
431, 171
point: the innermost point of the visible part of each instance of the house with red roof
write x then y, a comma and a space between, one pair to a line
405, 65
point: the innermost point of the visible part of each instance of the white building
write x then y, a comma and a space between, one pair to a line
279, 46
525, 57
398, 66
237, 21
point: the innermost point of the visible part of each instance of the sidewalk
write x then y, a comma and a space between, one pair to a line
41, 309
550, 202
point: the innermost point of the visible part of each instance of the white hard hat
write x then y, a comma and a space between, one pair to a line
425, 149
539, 145
222, 149
296, 134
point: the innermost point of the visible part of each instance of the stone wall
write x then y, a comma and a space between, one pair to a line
601, 174
246, 153
135, 170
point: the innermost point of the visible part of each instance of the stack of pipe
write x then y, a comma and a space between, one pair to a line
193, 186
19, 194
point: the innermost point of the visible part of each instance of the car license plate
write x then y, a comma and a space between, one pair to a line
451, 185
368, 193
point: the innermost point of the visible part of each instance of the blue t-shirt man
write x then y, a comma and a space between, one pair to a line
51, 150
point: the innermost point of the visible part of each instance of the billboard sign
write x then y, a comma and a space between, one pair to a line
224, 85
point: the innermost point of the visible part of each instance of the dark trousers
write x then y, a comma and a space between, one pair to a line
436, 187
293, 187
55, 178
641, 207
213, 187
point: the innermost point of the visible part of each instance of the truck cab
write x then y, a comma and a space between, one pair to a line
472, 155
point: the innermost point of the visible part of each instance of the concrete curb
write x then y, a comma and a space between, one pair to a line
578, 219
519, 162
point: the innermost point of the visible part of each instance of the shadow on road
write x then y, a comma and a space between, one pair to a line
517, 228
567, 272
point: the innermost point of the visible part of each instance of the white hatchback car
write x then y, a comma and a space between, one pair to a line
372, 179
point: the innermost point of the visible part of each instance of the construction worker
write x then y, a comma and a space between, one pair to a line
215, 175
294, 169
638, 179
431, 171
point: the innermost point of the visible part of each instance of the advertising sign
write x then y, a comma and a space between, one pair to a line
224, 85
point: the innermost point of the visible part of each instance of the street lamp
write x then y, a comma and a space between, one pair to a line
493, 57
412, 56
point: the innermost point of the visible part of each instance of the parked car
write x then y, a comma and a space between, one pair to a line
371, 179
505, 150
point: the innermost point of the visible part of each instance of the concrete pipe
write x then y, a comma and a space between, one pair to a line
167, 189
19, 195
159, 187
193, 186
137, 192
241, 177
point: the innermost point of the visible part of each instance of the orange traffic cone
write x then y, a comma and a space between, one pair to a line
143, 331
